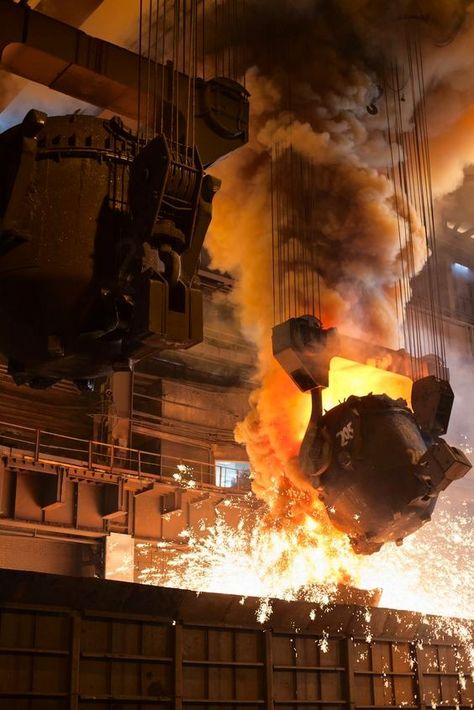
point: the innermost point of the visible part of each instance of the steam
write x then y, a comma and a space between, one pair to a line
316, 68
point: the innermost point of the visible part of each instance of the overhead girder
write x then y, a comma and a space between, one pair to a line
74, 13
49, 52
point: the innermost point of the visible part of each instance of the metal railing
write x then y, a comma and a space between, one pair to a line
50, 447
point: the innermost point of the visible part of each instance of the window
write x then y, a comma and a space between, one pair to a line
233, 474
461, 270
463, 283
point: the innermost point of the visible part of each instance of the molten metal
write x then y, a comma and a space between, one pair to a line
377, 466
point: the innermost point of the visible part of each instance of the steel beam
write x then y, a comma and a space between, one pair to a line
54, 54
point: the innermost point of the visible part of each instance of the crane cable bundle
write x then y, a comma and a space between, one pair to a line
410, 173
299, 248
194, 38
296, 243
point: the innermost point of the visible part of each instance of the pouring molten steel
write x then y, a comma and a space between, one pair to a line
377, 465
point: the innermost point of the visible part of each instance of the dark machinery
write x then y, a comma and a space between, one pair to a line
101, 231
378, 466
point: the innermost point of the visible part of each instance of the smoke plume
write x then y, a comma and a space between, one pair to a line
314, 69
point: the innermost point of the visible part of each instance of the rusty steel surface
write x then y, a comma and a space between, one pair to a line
75, 643
51, 484
169, 603
68, 490
40, 450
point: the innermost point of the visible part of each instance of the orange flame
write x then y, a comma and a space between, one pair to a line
275, 427
272, 433
347, 377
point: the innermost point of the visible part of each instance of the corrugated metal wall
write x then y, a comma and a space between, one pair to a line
53, 658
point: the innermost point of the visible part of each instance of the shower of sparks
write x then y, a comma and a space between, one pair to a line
299, 559
253, 560
184, 476
431, 573
464, 443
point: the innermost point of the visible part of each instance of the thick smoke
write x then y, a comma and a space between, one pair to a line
316, 67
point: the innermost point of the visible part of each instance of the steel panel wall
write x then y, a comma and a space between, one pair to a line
55, 658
